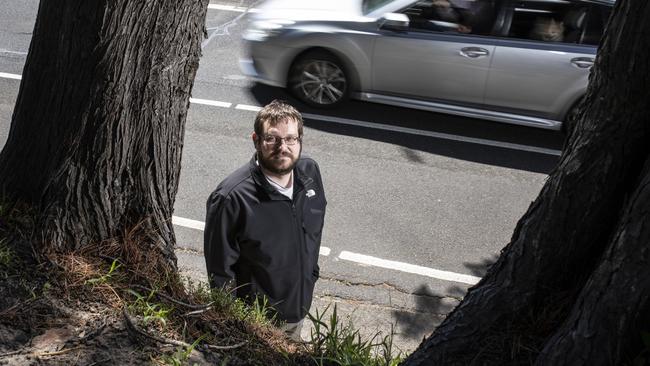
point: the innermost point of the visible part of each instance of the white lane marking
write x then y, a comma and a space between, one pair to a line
10, 76
438, 135
238, 9
409, 268
12, 53
211, 102
364, 259
245, 107
200, 225
192, 224
378, 126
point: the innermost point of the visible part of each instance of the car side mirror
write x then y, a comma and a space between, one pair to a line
394, 21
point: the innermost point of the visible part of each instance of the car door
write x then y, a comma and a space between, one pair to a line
432, 60
542, 65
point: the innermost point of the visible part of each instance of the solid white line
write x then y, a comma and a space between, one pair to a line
10, 76
439, 135
192, 224
409, 268
245, 107
211, 102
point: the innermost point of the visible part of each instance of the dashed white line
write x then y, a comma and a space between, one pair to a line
192, 224
365, 259
409, 268
237, 9
214, 103
378, 126
10, 76
246, 107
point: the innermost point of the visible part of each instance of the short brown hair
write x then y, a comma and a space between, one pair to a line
275, 112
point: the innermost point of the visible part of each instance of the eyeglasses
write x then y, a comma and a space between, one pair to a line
273, 140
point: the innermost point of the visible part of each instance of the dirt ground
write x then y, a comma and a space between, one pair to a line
67, 313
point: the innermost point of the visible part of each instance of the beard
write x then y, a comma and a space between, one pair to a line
270, 163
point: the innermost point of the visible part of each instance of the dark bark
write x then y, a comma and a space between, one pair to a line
575, 236
97, 131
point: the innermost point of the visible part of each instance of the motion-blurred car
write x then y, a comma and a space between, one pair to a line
525, 62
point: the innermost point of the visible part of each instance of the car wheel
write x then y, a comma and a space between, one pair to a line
319, 79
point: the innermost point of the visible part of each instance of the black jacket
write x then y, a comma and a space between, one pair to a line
263, 242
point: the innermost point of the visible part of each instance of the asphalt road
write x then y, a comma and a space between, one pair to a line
429, 197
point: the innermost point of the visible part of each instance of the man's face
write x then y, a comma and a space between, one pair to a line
278, 158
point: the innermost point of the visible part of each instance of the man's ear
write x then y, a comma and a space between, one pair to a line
255, 139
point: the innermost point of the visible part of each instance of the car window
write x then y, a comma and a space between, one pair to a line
557, 21
368, 6
458, 16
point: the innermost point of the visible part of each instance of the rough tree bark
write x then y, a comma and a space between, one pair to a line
97, 131
573, 285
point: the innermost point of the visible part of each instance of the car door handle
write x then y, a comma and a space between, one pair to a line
474, 52
583, 62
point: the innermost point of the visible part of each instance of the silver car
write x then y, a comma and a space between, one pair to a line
525, 62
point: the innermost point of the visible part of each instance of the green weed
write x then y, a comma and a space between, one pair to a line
6, 254
182, 354
150, 311
106, 277
335, 343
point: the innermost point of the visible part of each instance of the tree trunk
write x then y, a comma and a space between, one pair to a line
97, 132
576, 270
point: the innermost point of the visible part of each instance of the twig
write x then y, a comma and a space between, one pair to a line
12, 353
46, 354
197, 312
131, 325
191, 306
211, 346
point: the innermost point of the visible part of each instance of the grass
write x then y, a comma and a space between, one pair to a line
149, 310
337, 343
6, 254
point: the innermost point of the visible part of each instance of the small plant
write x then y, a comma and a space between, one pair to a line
258, 311
339, 344
149, 311
106, 277
182, 354
6, 254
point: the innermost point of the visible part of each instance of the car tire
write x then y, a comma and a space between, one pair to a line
319, 79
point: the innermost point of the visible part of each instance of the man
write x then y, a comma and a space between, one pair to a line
264, 221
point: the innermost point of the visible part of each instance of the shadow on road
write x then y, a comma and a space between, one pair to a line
437, 123
428, 303
480, 268
427, 315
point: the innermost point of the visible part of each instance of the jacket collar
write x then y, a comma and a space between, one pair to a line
300, 180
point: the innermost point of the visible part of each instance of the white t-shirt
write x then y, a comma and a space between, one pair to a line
283, 190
